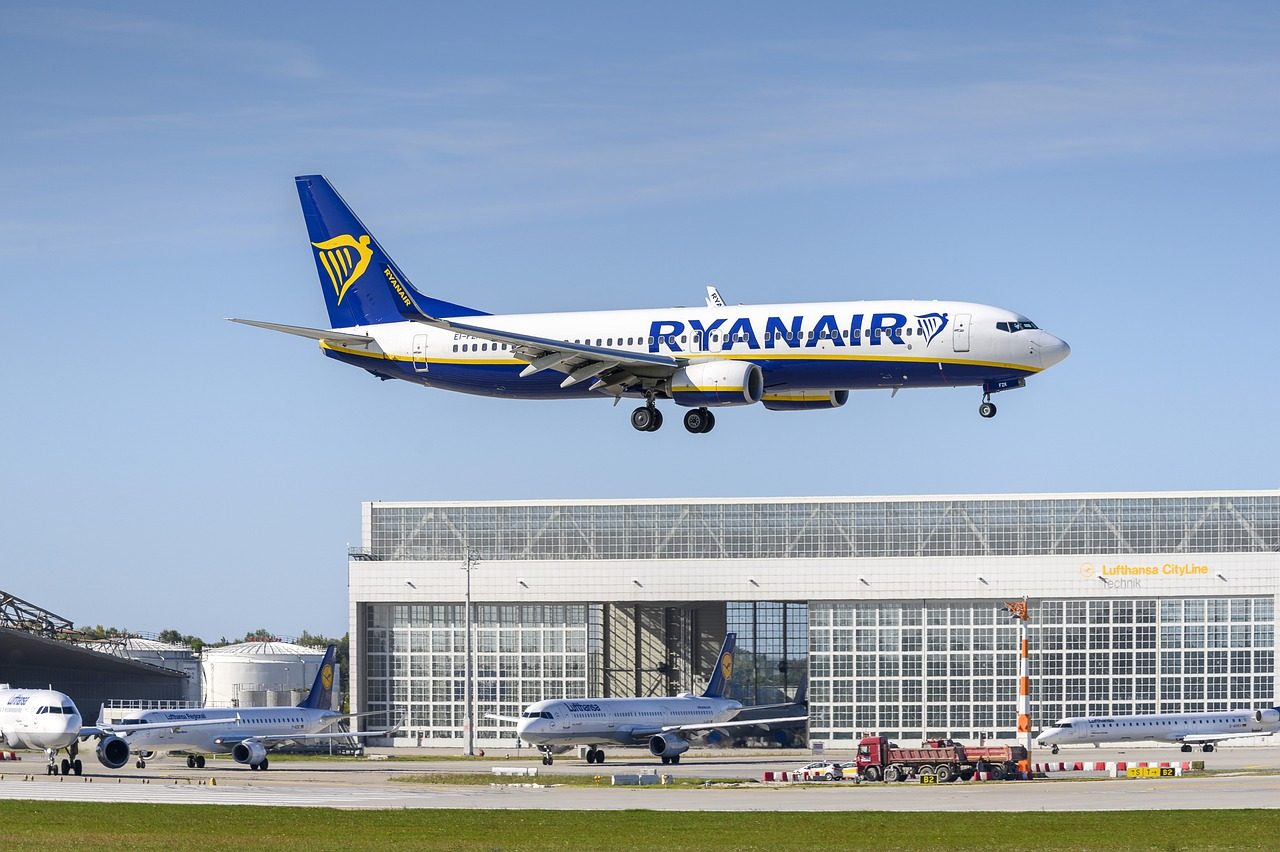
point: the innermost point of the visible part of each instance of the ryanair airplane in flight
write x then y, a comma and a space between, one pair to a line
786, 357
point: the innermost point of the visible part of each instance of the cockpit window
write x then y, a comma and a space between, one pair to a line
1024, 325
49, 710
534, 714
68, 709
1066, 726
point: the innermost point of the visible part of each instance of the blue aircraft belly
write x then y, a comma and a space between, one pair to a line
779, 373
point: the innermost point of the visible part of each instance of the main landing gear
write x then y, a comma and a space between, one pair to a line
675, 758
69, 764
699, 421
195, 761
647, 418
595, 755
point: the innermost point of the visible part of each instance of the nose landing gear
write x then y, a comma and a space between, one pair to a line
988, 408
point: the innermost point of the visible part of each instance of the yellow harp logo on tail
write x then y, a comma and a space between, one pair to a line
345, 258
326, 677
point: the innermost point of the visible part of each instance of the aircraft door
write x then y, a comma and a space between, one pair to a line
420, 353
960, 334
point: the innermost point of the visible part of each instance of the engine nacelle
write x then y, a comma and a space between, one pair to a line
667, 745
113, 752
1267, 717
249, 752
717, 383
805, 400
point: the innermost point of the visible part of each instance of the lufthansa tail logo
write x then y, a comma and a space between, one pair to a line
345, 258
326, 675
726, 666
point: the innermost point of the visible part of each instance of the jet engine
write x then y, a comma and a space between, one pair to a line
667, 745
1267, 717
113, 752
805, 400
718, 382
250, 752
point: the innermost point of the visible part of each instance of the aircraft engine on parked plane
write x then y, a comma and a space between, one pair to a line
805, 400
667, 745
717, 383
113, 752
1267, 717
249, 752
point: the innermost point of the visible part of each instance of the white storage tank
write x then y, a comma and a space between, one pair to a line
253, 674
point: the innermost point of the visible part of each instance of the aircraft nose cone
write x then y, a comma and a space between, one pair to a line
1054, 349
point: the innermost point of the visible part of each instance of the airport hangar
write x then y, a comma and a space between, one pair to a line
893, 606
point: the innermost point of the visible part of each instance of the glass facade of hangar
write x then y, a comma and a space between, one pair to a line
772, 657
415, 663
828, 528
922, 669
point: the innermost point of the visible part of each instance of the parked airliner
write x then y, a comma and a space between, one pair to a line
556, 725
787, 357
1188, 729
246, 733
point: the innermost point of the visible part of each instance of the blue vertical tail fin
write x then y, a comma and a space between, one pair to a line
719, 683
321, 695
362, 284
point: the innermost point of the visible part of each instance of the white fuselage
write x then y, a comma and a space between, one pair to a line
241, 723
625, 721
799, 347
37, 718
1158, 727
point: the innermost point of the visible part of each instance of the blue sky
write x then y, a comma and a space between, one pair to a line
1112, 172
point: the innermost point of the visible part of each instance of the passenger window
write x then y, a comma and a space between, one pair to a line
908, 332
455, 347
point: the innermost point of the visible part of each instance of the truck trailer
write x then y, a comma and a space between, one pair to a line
945, 760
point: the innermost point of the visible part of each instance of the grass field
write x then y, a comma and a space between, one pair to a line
78, 825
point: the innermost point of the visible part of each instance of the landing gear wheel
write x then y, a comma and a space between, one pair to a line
141, 764
77, 767
646, 418
1186, 747
66, 766
665, 760
987, 410
699, 421
675, 758
199, 761
1054, 749
1208, 747
253, 766
599, 755
263, 766
191, 762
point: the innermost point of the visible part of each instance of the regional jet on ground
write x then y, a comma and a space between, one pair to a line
246, 733
788, 357
1188, 729
557, 725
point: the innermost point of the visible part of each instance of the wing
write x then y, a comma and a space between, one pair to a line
313, 333
515, 720
614, 370
1213, 738
709, 726
268, 739
124, 730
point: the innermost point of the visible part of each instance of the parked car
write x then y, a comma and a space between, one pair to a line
825, 769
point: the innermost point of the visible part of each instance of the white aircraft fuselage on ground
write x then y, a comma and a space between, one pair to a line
37, 719
787, 357
1189, 729
660, 724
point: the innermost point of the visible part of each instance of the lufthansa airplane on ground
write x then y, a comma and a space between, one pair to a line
48, 720
787, 357
557, 725
1188, 729
246, 733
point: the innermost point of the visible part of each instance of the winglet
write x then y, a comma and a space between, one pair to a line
719, 683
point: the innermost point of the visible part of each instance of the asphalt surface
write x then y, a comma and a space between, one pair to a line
1239, 778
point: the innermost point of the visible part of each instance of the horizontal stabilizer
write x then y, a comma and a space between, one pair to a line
313, 333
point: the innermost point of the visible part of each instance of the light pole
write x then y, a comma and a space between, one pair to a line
469, 561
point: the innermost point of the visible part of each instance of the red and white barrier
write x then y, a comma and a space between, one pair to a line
1109, 766
9, 755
